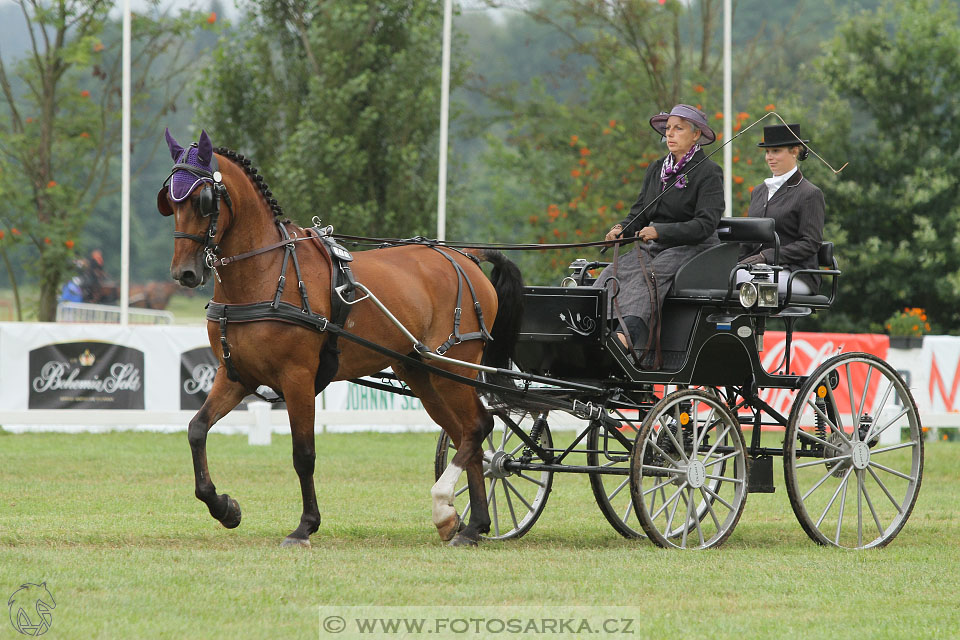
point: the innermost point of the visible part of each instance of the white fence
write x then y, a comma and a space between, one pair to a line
97, 313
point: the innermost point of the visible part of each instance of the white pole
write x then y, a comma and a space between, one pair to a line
125, 173
727, 110
444, 121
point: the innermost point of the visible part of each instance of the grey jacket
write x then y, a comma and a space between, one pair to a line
798, 209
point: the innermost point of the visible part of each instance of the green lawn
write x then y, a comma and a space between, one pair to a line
111, 524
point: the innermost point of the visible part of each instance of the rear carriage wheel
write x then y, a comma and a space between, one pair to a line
688, 471
609, 490
515, 498
853, 453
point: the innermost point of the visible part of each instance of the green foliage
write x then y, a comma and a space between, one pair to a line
897, 201
60, 127
338, 104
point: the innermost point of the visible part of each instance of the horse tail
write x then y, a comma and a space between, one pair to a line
508, 283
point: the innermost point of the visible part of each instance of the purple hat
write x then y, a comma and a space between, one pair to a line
691, 114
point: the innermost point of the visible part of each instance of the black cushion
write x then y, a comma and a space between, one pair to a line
747, 229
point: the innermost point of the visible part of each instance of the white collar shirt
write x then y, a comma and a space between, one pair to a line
776, 182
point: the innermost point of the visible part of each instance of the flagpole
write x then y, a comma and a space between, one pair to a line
125, 173
444, 121
727, 110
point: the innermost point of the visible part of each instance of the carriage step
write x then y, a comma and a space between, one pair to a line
761, 475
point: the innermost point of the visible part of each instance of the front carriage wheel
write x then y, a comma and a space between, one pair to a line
854, 425
688, 471
515, 498
605, 450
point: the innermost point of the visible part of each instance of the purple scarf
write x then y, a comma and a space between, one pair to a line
669, 170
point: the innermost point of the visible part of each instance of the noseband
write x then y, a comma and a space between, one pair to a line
208, 206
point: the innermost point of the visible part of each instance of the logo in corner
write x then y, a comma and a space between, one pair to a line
30, 609
86, 358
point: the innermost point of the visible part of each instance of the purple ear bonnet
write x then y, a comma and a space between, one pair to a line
182, 181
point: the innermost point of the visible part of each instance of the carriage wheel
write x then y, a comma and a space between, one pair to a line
853, 487
610, 491
688, 471
515, 498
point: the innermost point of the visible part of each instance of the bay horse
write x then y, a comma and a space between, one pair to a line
226, 221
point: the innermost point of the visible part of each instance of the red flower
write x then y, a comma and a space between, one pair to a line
619, 205
47, 240
15, 231
85, 94
575, 173
644, 164
583, 162
743, 115
97, 48
84, 135
769, 107
573, 140
612, 124
698, 88
51, 184
718, 115
69, 244
2, 234
738, 179
750, 189
212, 17
584, 151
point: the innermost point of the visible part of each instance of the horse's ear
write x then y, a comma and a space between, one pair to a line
163, 204
204, 149
175, 149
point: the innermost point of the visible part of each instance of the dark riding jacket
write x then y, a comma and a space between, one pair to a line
798, 209
682, 216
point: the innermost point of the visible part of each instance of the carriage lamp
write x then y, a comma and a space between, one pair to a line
762, 279
748, 294
568, 282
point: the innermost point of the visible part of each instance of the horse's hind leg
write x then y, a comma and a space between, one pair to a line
458, 410
301, 408
224, 396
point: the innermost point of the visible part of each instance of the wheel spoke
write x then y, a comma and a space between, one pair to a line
823, 461
876, 519
817, 486
810, 436
837, 430
836, 407
732, 454
718, 498
626, 515
513, 515
843, 502
890, 423
893, 471
713, 514
539, 483
719, 440
649, 467
462, 489
722, 479
696, 521
620, 487
859, 509
863, 399
836, 493
894, 447
653, 516
654, 488
851, 397
663, 453
492, 501
673, 438
878, 408
686, 523
885, 490
517, 493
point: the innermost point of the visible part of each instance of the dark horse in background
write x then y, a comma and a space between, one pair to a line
221, 207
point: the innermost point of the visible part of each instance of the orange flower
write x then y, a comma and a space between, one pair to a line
743, 115
749, 161
85, 93
736, 158
578, 232
15, 231
619, 205
573, 140
738, 179
553, 210
698, 88
750, 189
29, 120
769, 107
584, 151
97, 48
534, 219
718, 115
602, 210
699, 106
2, 233
923, 317
47, 240
212, 17
606, 132
612, 124
575, 173
84, 134
719, 136
573, 204
927, 326
51, 184
916, 328
736, 127
583, 162
556, 232
68, 244
644, 164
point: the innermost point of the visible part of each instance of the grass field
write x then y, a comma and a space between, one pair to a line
110, 523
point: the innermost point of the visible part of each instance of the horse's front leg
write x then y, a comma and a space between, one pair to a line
224, 396
302, 410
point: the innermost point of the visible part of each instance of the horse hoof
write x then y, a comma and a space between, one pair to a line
295, 542
232, 518
450, 528
461, 540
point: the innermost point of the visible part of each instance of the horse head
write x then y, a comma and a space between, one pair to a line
192, 194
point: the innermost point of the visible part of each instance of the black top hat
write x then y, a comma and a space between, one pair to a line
782, 136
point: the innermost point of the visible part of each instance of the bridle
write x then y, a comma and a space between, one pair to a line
208, 205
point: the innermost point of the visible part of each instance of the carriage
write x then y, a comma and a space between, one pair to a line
663, 447
665, 452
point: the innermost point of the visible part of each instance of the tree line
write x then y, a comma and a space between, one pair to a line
337, 103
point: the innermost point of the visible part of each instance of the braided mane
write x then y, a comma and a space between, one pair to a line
254, 176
